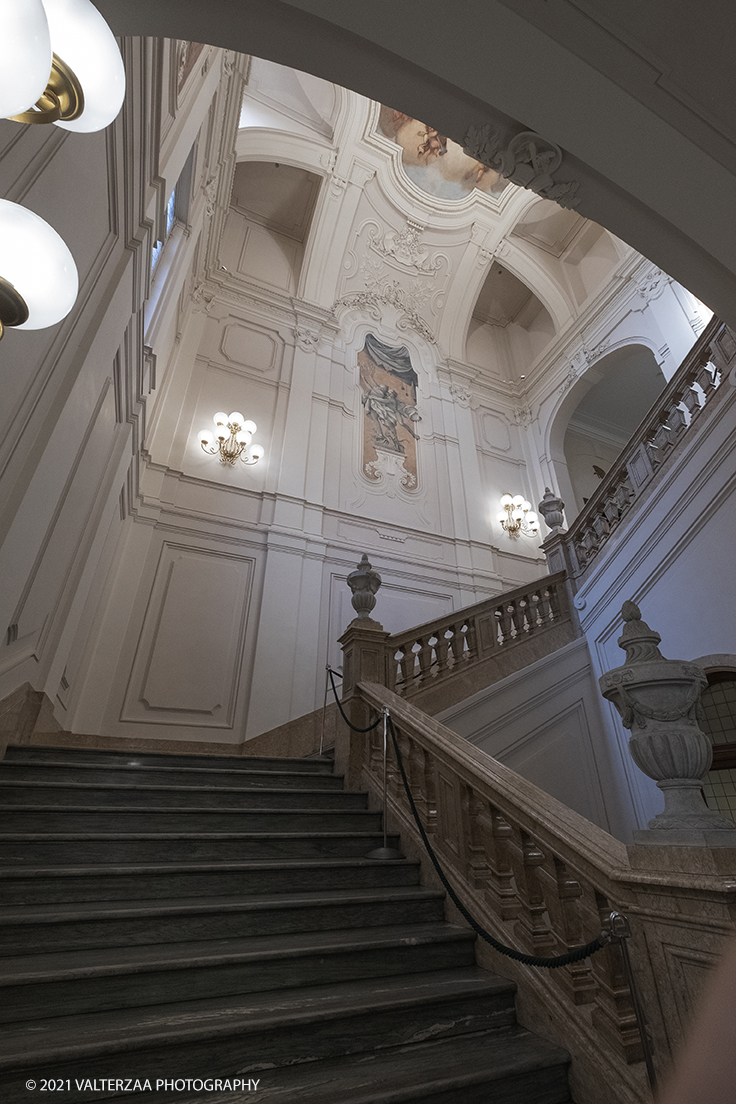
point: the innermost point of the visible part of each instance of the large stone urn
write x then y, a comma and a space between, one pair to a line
659, 702
364, 582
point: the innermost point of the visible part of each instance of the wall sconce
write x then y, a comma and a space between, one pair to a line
517, 516
38, 276
59, 63
231, 439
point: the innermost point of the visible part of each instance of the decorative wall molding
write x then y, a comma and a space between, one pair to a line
390, 295
307, 337
651, 285
528, 160
461, 395
404, 246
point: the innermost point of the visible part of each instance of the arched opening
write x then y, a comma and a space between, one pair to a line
607, 405
510, 327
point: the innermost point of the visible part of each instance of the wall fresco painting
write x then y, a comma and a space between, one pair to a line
388, 386
435, 163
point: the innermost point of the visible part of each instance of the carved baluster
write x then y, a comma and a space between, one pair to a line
470, 632
563, 894
442, 648
424, 656
613, 1014
601, 528
678, 421
533, 611
430, 789
500, 887
532, 926
407, 667
705, 377
554, 603
503, 614
477, 819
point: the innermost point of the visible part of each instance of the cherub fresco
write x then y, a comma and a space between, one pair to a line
435, 163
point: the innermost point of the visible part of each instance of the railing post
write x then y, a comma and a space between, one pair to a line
365, 659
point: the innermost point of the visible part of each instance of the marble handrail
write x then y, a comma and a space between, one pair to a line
694, 386
447, 645
541, 878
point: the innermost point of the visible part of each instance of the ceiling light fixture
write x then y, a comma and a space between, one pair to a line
231, 440
38, 276
59, 63
517, 516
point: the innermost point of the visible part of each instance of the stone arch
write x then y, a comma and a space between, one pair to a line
629, 371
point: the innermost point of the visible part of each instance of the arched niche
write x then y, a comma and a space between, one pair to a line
597, 418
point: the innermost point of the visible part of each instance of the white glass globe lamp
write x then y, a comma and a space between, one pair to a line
38, 276
236, 418
25, 54
257, 452
84, 86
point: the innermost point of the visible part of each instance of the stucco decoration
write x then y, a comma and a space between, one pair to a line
391, 294
388, 384
405, 247
460, 395
435, 163
652, 285
528, 160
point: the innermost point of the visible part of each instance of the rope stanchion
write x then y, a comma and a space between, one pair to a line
385, 852
343, 714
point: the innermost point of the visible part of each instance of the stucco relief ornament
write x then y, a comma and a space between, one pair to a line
461, 395
307, 337
597, 351
406, 248
659, 702
228, 63
523, 416
652, 285
210, 196
392, 294
528, 160
572, 374
388, 468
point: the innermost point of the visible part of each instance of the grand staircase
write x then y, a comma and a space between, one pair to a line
195, 919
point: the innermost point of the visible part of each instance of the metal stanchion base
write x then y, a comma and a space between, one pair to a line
385, 853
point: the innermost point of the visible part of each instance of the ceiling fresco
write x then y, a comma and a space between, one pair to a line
435, 163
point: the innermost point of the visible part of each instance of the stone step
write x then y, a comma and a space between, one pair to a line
134, 795
134, 977
510, 1066
84, 848
46, 885
233, 1036
32, 753
187, 818
141, 775
28, 929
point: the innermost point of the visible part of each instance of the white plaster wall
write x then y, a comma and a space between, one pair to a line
545, 722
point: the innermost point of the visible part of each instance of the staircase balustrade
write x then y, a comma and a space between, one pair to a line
441, 648
695, 386
543, 879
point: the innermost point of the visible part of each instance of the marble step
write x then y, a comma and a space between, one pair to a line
236, 1035
141, 775
510, 1066
32, 753
28, 929
82, 848
133, 795
134, 977
46, 885
186, 818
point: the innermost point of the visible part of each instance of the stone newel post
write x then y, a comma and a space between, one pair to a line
658, 700
364, 659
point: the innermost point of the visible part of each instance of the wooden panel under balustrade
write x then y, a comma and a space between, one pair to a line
445, 660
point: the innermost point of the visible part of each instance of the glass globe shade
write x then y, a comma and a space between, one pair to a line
501, 516
257, 452
82, 39
206, 438
25, 55
518, 501
517, 514
250, 427
236, 416
526, 505
507, 500
532, 519
220, 419
37, 262
243, 437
